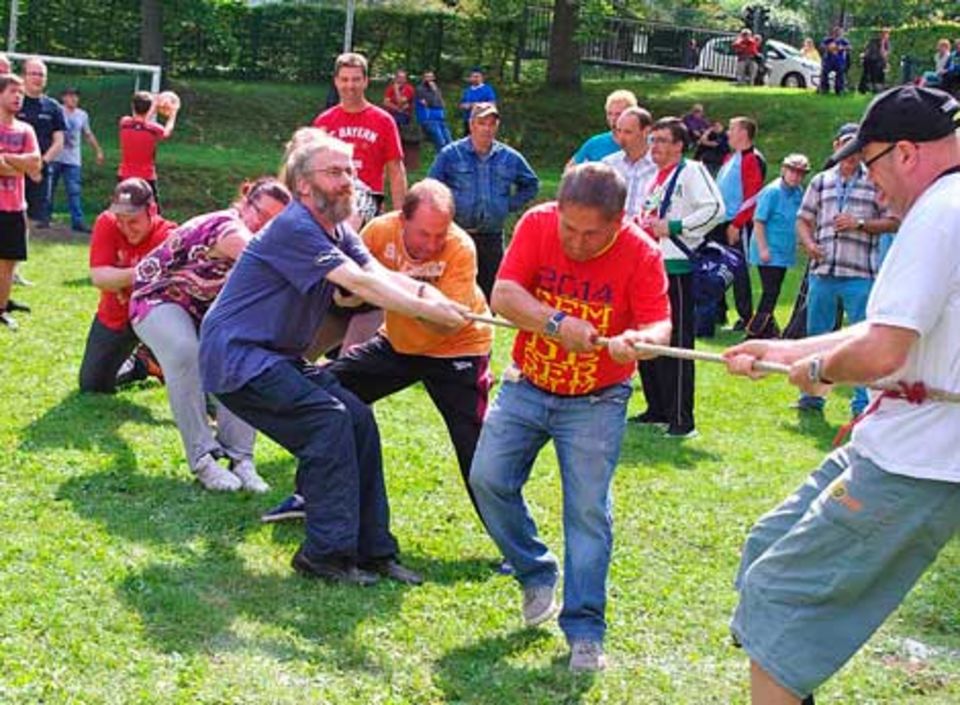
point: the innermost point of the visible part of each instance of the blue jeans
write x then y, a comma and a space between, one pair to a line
334, 437
40, 195
437, 132
586, 432
823, 294
72, 180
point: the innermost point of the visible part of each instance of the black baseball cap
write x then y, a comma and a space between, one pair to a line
131, 196
911, 113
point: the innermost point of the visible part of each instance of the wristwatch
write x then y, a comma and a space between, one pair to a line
815, 371
553, 323
862, 225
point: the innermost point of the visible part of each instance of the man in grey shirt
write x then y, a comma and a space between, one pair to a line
68, 164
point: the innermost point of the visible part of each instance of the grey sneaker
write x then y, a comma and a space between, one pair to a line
539, 604
215, 477
247, 472
587, 657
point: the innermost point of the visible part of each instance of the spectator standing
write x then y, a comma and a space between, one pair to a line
477, 91
489, 180
839, 223
683, 205
746, 48
603, 144
740, 179
773, 247
377, 150
19, 156
140, 134
633, 161
68, 164
576, 268
431, 112
713, 147
809, 50
122, 236
45, 115
398, 99
873, 63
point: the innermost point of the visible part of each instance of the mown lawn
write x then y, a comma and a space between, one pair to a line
121, 581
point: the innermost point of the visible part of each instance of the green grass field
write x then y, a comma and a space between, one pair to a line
121, 581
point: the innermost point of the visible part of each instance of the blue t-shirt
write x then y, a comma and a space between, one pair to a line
730, 184
777, 207
275, 298
483, 93
45, 115
596, 148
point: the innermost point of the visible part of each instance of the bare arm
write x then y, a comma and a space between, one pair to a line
56, 146
393, 295
518, 305
397, 176
621, 347
805, 233
112, 278
170, 124
21, 163
760, 233
92, 141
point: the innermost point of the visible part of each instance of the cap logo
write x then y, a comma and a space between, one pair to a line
950, 104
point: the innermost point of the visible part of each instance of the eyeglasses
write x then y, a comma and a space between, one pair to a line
659, 140
337, 172
880, 155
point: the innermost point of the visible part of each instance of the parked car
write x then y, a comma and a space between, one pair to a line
785, 65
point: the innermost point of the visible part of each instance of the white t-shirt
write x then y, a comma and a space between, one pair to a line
919, 288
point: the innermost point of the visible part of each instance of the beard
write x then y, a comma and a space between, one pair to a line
333, 206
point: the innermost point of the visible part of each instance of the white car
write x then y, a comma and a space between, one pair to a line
785, 65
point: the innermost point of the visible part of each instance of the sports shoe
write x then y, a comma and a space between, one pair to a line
290, 508
132, 370
647, 418
21, 280
334, 570
676, 431
9, 321
247, 472
808, 404
587, 656
539, 604
13, 306
215, 477
393, 569
504, 567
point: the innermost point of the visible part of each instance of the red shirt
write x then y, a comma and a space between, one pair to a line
407, 94
138, 148
110, 248
374, 137
18, 138
623, 288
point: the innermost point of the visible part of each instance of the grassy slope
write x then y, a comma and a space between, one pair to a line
122, 582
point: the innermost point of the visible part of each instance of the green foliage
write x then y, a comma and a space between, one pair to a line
918, 41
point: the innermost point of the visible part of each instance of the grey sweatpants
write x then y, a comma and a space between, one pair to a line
169, 331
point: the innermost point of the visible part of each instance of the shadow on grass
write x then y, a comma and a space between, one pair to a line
644, 445
77, 282
481, 673
815, 426
89, 422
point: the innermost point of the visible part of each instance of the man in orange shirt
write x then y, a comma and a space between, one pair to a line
422, 241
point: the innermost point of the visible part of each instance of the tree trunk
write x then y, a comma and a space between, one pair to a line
151, 32
563, 64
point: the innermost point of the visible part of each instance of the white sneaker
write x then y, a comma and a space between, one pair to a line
215, 477
245, 470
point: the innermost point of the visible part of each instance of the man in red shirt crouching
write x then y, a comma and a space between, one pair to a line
122, 236
575, 270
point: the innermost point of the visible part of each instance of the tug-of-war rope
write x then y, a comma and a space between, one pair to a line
911, 392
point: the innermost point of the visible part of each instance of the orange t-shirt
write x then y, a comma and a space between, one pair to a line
453, 272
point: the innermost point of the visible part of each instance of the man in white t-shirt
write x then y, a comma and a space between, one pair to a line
822, 572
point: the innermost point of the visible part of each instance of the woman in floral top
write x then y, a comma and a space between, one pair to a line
174, 286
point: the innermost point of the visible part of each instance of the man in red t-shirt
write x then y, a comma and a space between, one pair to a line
575, 270
122, 235
398, 98
139, 135
371, 130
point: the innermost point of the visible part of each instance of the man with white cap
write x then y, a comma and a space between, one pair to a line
821, 573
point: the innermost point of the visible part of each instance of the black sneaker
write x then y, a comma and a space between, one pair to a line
678, 431
649, 419
16, 306
334, 570
393, 569
740, 326
293, 507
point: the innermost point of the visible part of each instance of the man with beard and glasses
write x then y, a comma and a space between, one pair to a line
252, 343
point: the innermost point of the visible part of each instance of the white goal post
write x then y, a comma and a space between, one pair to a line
152, 70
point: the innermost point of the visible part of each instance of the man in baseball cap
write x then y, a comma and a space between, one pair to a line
122, 235
821, 573
903, 114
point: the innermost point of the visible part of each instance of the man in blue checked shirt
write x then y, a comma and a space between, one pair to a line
489, 180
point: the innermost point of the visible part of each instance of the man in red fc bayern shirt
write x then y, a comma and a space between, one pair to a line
371, 130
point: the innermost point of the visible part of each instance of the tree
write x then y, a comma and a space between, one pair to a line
563, 63
151, 32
